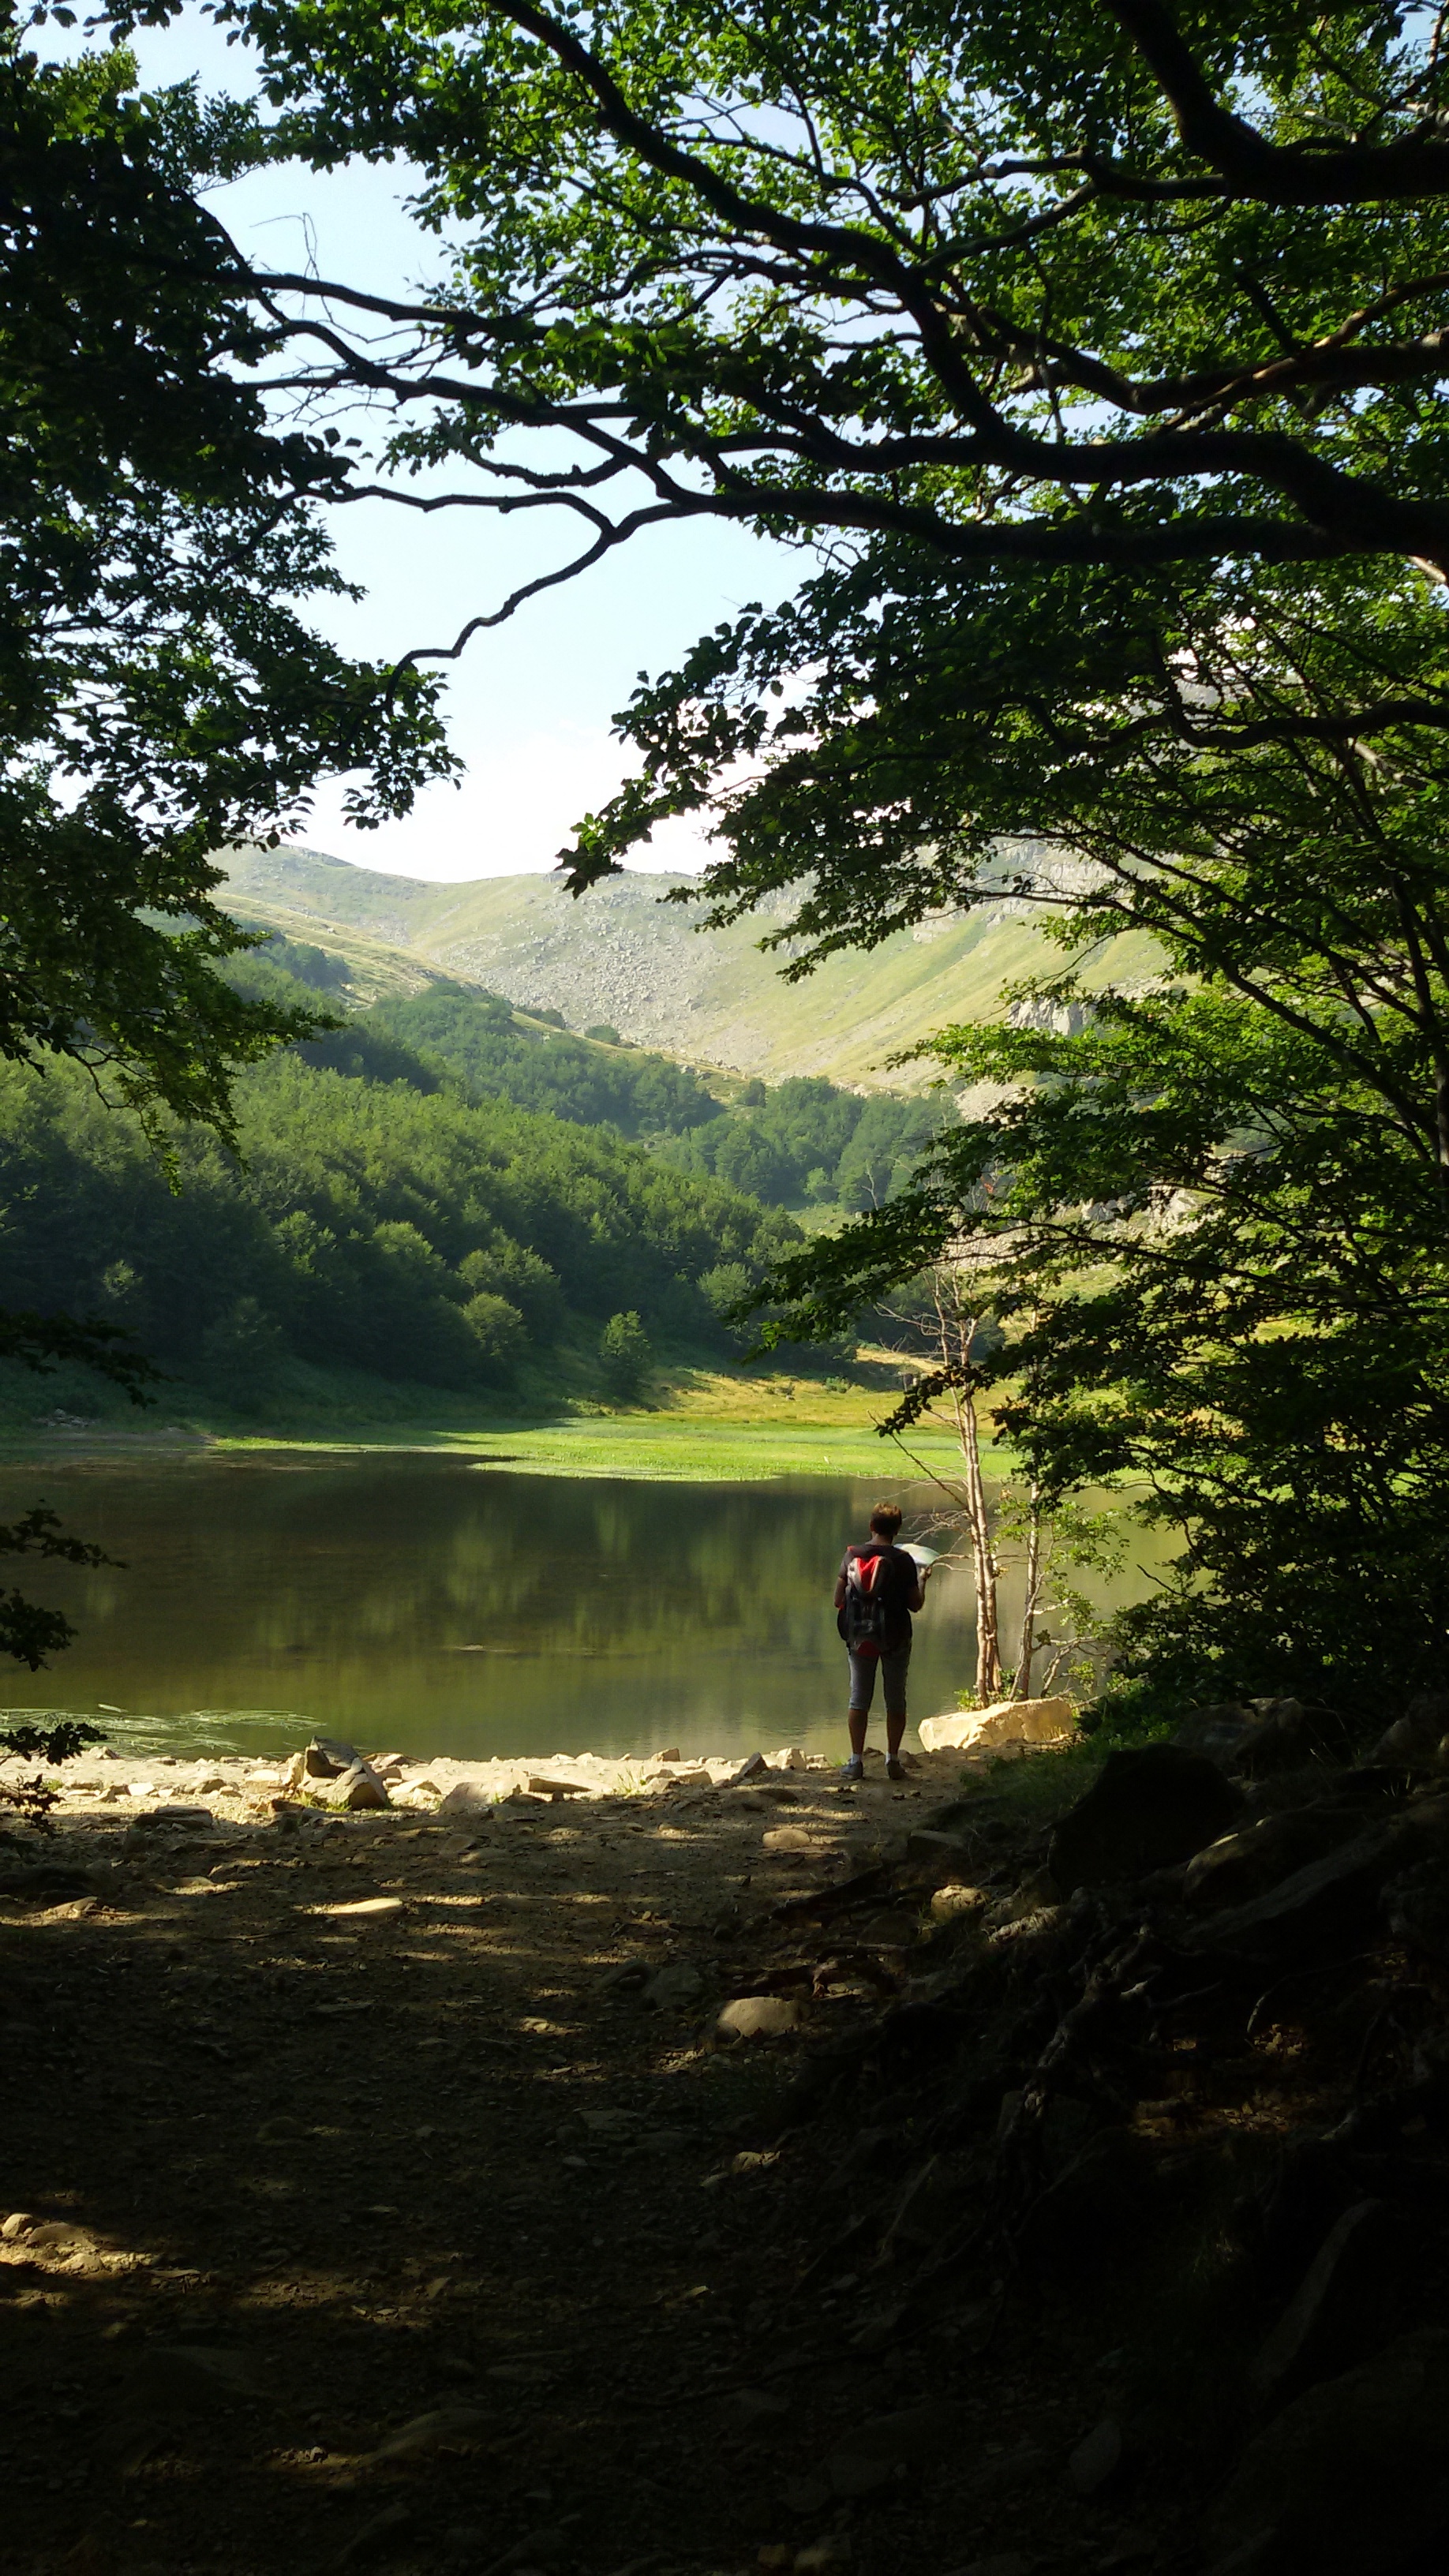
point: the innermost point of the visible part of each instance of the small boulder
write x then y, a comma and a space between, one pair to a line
469, 1802
1146, 1809
758, 2017
1414, 1742
674, 1987
1352, 2479
353, 1791
753, 1767
448, 2428
326, 1758
955, 1899
1007, 1721
1097, 2458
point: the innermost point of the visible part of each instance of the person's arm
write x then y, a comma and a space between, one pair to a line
915, 1598
840, 1589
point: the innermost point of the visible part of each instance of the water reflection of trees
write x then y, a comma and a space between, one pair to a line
354, 1588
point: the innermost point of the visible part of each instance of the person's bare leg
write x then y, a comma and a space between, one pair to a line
857, 1720
895, 1729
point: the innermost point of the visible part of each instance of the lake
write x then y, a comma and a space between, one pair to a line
425, 1604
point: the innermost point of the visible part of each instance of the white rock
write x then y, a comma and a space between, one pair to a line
759, 2017
1007, 1721
467, 1799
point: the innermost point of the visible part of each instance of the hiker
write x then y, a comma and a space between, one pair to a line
876, 1590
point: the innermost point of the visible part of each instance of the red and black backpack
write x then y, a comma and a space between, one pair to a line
871, 1612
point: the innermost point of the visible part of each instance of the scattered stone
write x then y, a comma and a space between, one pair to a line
327, 1759
858, 2473
546, 1784
1352, 2479
1414, 1741
759, 2415
1025, 2466
197, 1820
447, 2428
355, 1790
753, 1768
468, 1800
674, 1987
1007, 1721
19, 2223
671, 1753
792, 1757
377, 2536
372, 1905
759, 2017
832, 2550
929, 1845
807, 2495
1096, 2459
957, 1898
58, 2236
1007, 2562
916, 2433
1313, 2318
169, 2386
1145, 1809
623, 1974
789, 1838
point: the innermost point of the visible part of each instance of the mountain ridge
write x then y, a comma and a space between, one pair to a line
625, 957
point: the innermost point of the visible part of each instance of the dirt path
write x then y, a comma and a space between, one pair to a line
381, 2211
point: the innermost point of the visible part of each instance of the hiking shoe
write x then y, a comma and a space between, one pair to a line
895, 1770
854, 1769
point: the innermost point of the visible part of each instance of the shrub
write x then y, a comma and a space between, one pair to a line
624, 1356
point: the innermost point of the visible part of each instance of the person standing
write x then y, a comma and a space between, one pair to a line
876, 1590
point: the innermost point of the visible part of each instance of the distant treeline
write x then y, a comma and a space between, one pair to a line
386, 1224
791, 1144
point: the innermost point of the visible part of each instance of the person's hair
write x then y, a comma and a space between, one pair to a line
885, 1520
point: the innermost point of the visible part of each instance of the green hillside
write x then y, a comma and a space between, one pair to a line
623, 957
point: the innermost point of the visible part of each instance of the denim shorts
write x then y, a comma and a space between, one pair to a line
892, 1669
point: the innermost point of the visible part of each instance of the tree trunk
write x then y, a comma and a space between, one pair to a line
984, 1565
1021, 1687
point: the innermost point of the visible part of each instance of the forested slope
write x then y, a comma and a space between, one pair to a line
374, 1225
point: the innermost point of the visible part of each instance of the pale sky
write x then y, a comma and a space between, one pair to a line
529, 705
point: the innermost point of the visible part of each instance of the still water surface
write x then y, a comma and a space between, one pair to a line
424, 1605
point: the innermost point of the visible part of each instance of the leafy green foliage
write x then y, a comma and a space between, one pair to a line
373, 1225
1010, 291
159, 693
58, 1742
625, 1356
27, 1633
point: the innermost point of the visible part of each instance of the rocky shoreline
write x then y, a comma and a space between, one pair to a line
331, 1774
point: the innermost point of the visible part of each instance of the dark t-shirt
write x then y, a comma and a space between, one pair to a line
896, 1581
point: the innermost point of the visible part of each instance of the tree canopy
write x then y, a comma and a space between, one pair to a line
1129, 285
160, 692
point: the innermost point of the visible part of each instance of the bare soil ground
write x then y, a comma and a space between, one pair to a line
324, 2126
370, 2205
